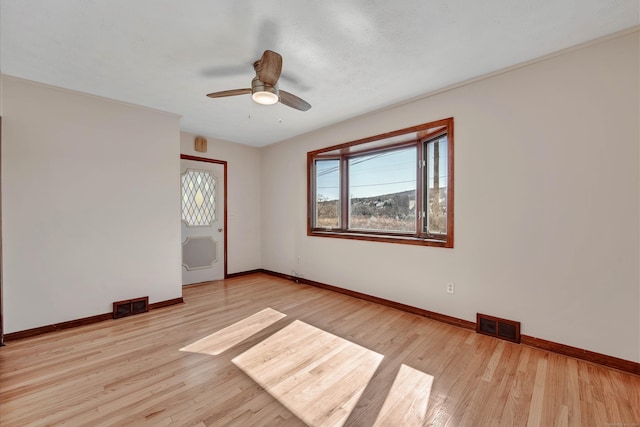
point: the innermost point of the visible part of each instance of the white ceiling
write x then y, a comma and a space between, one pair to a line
346, 58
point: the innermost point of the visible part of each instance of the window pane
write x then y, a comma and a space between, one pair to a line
436, 194
382, 191
327, 193
198, 198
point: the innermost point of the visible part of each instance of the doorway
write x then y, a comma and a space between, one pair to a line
1, 259
203, 219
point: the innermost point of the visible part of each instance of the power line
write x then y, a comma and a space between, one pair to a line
357, 160
384, 183
374, 185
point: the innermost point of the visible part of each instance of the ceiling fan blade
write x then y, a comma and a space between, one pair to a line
232, 92
269, 67
290, 100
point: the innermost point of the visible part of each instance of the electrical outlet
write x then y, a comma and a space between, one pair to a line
451, 288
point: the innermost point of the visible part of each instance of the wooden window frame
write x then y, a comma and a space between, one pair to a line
416, 136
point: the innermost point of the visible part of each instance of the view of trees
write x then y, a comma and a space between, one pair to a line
392, 212
389, 212
327, 212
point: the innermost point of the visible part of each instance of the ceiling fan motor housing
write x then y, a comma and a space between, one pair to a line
264, 93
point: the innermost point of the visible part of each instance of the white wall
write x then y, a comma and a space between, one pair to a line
243, 198
90, 191
547, 194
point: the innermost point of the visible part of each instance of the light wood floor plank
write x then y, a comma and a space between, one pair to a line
315, 374
131, 371
407, 401
224, 339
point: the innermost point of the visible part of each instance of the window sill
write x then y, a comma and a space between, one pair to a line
385, 238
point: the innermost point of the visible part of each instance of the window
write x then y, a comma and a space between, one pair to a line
396, 187
198, 198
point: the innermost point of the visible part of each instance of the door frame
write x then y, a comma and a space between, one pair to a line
224, 226
1, 256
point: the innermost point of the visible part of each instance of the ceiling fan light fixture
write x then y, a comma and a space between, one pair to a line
264, 93
264, 97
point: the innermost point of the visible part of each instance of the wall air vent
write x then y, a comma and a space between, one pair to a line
496, 327
130, 306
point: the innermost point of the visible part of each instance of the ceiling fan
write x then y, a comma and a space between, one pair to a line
264, 86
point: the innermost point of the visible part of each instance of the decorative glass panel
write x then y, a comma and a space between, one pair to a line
198, 198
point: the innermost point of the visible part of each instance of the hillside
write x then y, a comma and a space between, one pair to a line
395, 211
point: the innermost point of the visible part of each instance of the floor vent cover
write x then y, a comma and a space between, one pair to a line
130, 306
500, 328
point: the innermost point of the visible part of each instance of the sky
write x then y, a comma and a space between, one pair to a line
374, 174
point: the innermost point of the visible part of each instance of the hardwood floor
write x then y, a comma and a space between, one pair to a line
316, 375
131, 371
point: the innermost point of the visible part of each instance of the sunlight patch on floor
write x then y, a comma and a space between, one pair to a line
407, 401
316, 375
232, 335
